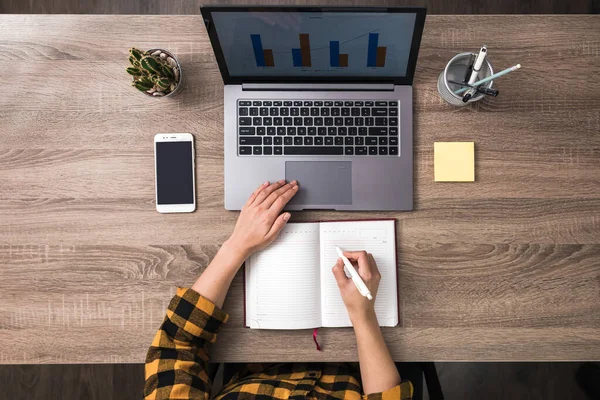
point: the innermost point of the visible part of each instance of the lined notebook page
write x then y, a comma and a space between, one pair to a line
375, 237
282, 281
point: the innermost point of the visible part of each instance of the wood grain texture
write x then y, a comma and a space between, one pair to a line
507, 268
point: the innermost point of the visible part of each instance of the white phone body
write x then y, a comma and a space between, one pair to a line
170, 206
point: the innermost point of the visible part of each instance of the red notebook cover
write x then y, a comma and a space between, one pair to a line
341, 220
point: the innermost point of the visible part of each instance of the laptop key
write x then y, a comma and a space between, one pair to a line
294, 111
383, 151
318, 103
253, 111
362, 131
322, 131
250, 141
355, 112
257, 103
264, 111
271, 130
381, 103
379, 112
328, 103
245, 121
260, 130
243, 111
359, 121
393, 131
287, 121
281, 131
393, 112
318, 141
371, 141
393, 151
393, 103
328, 141
244, 150
284, 112
308, 121
277, 141
287, 103
335, 112
257, 121
312, 131
297, 104
349, 151
342, 131
349, 141
247, 130
288, 140
298, 121
381, 121
314, 150
339, 141
267, 103
360, 151
372, 151
348, 103
365, 112
328, 121
332, 131
302, 131
267, 151
305, 111
273, 112
353, 131
318, 121
378, 131
359, 141
393, 121
298, 141
291, 131
339, 121
277, 151
393, 141
345, 112
277, 121
268, 141
267, 120
314, 112
308, 141
383, 141
359, 103
338, 103
277, 103
348, 121
243, 103
308, 103
325, 112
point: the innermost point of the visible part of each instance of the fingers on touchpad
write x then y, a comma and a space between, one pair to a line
321, 182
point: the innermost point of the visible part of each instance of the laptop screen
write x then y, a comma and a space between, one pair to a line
305, 45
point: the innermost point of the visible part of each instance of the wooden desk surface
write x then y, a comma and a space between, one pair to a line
506, 268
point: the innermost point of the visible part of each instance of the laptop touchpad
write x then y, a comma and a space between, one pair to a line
321, 182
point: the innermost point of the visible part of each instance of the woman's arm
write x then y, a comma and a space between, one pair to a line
377, 369
177, 359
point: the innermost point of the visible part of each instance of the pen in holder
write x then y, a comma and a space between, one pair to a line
455, 72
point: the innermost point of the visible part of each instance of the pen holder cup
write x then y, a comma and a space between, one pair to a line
455, 71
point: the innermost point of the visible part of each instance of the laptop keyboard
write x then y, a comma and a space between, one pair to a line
304, 127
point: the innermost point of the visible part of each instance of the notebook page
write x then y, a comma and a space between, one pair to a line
282, 281
375, 237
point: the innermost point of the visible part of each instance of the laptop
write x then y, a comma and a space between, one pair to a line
322, 96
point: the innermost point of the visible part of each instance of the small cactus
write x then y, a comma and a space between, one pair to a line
154, 73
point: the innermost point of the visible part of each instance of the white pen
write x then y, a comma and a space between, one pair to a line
358, 282
478, 64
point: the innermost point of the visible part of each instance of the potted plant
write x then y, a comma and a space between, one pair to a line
155, 72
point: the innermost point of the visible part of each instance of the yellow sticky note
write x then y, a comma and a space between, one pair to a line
454, 161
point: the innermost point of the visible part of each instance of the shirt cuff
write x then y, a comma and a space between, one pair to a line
196, 315
401, 391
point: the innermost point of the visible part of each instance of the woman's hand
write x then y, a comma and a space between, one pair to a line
261, 219
359, 307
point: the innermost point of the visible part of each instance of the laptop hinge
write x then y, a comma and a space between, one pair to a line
361, 87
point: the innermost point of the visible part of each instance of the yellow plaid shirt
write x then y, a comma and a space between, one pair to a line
176, 364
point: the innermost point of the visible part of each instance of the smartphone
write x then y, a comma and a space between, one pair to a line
174, 172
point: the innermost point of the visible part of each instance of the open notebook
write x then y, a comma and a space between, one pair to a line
289, 285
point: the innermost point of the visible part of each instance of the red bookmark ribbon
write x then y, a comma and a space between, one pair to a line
315, 331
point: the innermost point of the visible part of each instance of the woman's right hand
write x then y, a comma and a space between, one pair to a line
359, 307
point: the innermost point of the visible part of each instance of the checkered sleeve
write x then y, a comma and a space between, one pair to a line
402, 391
177, 359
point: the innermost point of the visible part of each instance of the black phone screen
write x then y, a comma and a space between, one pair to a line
174, 173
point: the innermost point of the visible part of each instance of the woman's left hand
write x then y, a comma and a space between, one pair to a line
261, 219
